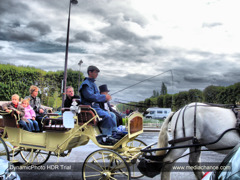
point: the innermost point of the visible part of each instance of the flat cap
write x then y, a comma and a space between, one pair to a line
92, 68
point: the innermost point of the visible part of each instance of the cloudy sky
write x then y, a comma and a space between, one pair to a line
196, 41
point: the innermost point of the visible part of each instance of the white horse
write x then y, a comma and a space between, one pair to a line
210, 123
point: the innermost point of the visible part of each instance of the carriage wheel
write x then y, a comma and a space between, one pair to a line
105, 164
4, 154
10, 150
1, 131
35, 157
136, 143
3, 134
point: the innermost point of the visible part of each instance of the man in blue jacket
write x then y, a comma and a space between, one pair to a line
90, 95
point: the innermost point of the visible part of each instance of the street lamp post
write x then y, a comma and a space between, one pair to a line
80, 63
66, 52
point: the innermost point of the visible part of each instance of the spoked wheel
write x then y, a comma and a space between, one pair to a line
35, 156
3, 135
13, 151
1, 131
135, 143
4, 154
105, 164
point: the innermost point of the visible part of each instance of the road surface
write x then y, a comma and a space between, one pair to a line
79, 154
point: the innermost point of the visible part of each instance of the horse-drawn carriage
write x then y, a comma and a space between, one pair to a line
192, 127
36, 148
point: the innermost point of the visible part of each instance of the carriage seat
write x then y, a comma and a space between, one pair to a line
54, 122
86, 114
8, 120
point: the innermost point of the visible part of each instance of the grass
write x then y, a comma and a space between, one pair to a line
147, 120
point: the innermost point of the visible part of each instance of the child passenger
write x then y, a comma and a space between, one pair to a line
14, 105
30, 115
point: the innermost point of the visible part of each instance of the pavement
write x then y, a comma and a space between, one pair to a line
151, 129
79, 154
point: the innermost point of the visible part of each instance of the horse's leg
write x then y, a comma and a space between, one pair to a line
169, 162
194, 160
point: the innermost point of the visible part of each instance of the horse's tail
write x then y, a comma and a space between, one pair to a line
163, 135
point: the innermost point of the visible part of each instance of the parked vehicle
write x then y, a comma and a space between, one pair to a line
229, 169
158, 113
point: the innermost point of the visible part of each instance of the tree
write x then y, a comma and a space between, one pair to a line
195, 95
163, 89
167, 101
155, 94
230, 94
210, 93
148, 102
18, 79
160, 101
180, 99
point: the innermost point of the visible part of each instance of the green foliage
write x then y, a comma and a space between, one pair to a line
17, 80
230, 94
163, 89
154, 101
73, 79
210, 93
148, 103
160, 101
55, 101
195, 95
141, 107
167, 101
180, 99
155, 94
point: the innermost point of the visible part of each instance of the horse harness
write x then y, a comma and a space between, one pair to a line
150, 164
194, 138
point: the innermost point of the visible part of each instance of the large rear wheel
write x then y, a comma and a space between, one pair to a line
35, 157
105, 164
4, 154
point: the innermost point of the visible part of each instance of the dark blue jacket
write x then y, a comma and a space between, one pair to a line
90, 94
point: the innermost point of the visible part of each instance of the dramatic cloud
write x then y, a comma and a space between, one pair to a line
141, 43
42, 28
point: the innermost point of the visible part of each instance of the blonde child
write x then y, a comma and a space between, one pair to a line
14, 105
30, 115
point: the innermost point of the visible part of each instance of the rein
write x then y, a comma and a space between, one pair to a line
194, 137
191, 145
221, 149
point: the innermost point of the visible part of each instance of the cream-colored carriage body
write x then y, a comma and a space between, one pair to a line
56, 139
